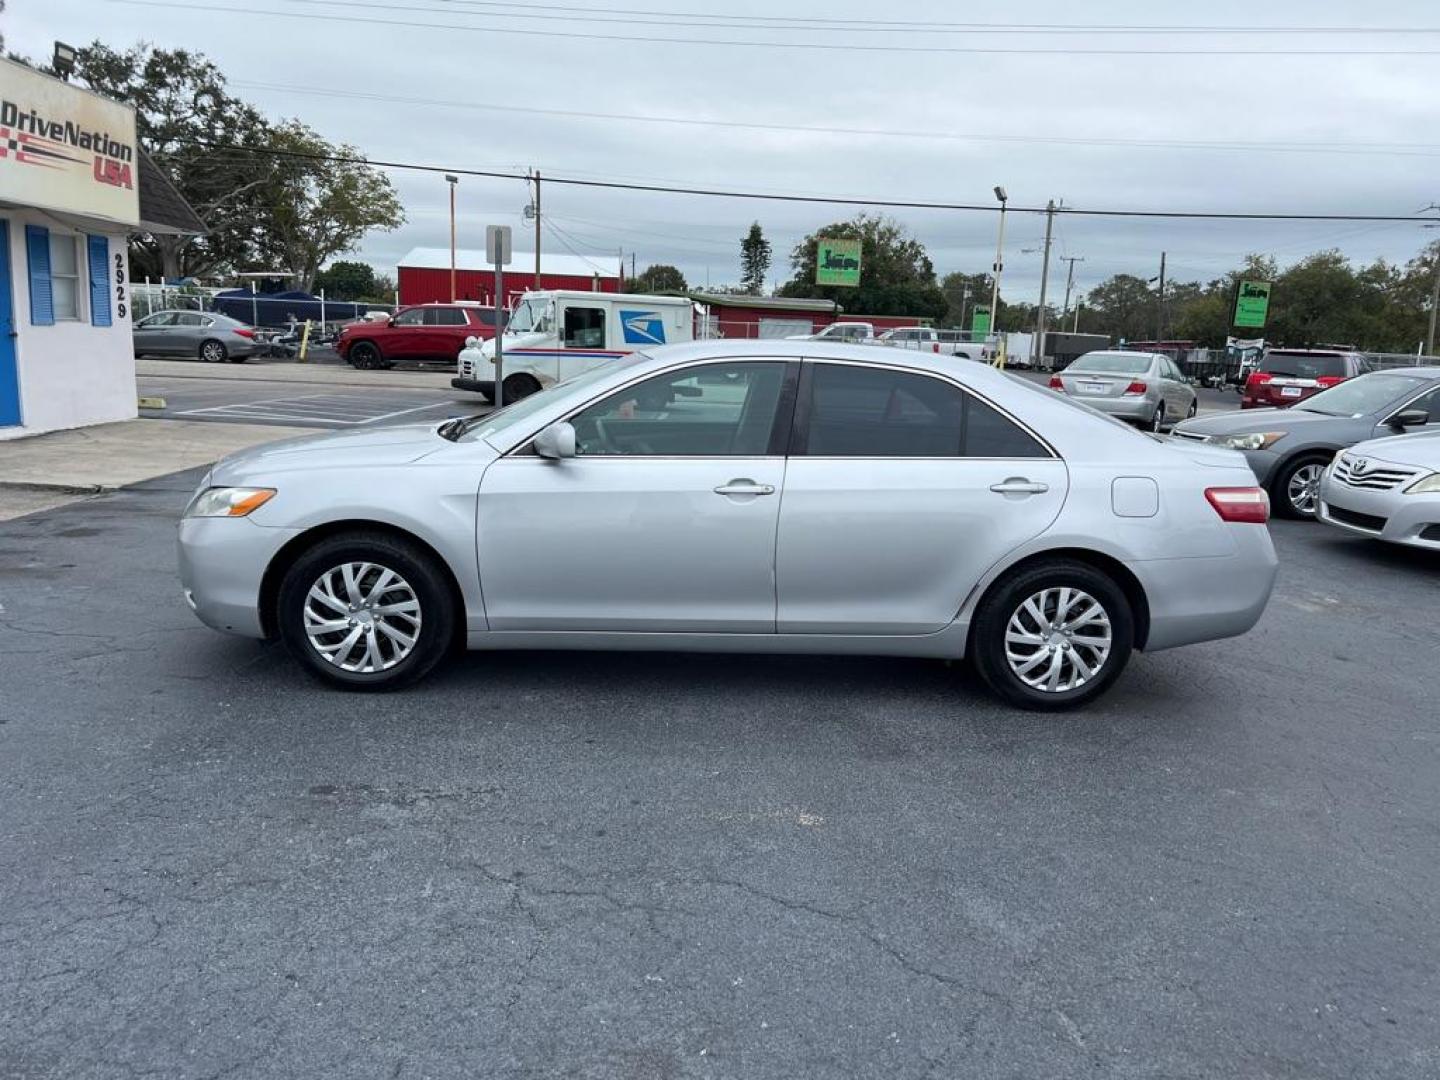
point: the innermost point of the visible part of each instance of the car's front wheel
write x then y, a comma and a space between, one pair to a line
520, 386
366, 611
366, 356
1053, 635
1295, 491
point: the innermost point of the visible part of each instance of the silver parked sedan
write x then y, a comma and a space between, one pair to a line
1144, 388
768, 496
207, 335
1386, 489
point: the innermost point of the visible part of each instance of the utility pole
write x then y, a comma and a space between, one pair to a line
1160, 304
537, 230
1434, 291
1078, 305
1039, 354
1069, 283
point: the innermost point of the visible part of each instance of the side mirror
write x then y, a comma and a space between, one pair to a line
556, 441
1409, 418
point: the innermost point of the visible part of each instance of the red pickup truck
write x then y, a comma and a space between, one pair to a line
423, 332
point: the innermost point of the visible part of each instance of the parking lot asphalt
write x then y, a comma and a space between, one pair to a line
616, 865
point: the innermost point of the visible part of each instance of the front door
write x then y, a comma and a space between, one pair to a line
665, 519
9, 367
901, 491
408, 335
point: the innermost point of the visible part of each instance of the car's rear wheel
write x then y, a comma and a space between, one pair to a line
1157, 419
366, 356
519, 386
1053, 635
212, 351
1295, 491
367, 611
1194, 408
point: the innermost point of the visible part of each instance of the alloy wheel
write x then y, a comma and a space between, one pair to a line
1303, 490
212, 352
362, 617
1058, 640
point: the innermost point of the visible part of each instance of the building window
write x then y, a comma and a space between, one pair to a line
65, 275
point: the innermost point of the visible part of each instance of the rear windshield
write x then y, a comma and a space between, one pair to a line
1304, 365
1112, 364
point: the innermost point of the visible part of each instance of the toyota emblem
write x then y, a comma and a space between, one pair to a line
1358, 466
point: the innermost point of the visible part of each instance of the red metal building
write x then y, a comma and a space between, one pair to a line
733, 316
424, 275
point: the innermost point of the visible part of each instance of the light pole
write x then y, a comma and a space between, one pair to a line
452, 181
1069, 284
999, 264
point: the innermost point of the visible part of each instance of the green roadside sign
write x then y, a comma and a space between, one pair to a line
980, 322
837, 262
1252, 303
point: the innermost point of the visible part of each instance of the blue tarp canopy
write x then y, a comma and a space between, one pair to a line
283, 308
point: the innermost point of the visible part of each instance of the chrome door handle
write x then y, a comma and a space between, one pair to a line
744, 487
1018, 485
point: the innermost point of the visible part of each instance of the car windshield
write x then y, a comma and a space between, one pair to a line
1303, 365
528, 318
492, 423
1111, 364
1362, 395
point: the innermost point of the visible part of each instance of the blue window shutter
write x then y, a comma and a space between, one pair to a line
42, 301
99, 280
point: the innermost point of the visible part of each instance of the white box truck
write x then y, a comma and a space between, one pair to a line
555, 334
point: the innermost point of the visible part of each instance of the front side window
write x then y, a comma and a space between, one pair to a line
411, 317
65, 275
877, 412
164, 318
716, 410
584, 328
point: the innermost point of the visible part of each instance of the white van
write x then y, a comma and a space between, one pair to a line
555, 334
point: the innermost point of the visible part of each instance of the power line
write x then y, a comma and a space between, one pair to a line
1391, 149
901, 204
635, 39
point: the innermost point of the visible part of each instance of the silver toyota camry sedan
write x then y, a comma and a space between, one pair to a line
766, 496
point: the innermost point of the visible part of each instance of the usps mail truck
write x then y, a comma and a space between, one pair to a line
554, 335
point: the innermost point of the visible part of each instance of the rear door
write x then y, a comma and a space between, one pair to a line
184, 337
901, 491
448, 328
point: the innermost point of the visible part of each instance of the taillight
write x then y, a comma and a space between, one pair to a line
1055, 383
1258, 377
1136, 388
1247, 505
243, 333
1327, 381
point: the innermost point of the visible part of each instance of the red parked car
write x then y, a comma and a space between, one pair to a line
1285, 376
423, 332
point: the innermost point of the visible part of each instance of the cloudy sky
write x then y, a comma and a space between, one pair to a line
937, 105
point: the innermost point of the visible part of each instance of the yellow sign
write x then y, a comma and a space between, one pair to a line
66, 149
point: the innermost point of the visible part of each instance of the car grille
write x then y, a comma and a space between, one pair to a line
1359, 472
1361, 521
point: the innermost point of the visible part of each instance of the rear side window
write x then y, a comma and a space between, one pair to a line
875, 412
445, 316
1304, 365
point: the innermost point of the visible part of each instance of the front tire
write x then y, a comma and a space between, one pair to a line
1054, 635
365, 356
367, 611
1295, 490
212, 352
519, 386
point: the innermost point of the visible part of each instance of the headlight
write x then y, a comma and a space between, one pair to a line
1426, 485
228, 501
1256, 440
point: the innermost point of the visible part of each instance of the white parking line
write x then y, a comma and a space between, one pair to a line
348, 410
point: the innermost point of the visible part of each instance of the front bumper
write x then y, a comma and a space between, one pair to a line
478, 386
1392, 516
222, 562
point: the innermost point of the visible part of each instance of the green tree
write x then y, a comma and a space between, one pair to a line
1123, 307
347, 280
896, 275
317, 206
755, 258
658, 278
183, 112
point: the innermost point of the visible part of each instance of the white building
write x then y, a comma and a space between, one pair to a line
73, 186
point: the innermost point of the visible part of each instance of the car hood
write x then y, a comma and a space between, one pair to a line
1421, 450
394, 444
1251, 420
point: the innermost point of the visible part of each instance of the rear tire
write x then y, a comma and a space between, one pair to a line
367, 611
212, 351
1295, 488
365, 356
1194, 408
1056, 623
520, 386
1157, 421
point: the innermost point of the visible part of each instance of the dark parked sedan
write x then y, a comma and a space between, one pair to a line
1288, 449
